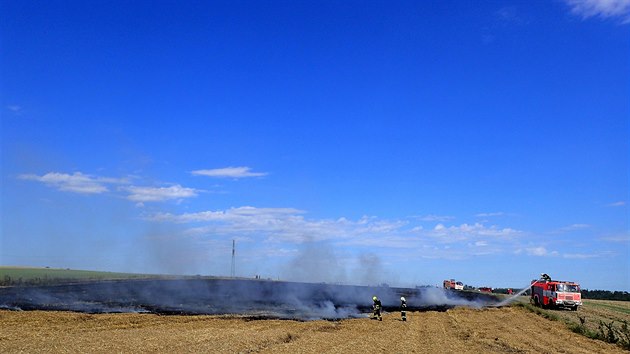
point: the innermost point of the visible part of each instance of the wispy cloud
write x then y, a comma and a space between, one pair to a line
536, 251
624, 238
76, 182
509, 14
541, 251
246, 213
14, 108
471, 231
436, 218
617, 204
158, 194
229, 172
89, 184
486, 215
572, 227
289, 225
580, 255
619, 9
277, 224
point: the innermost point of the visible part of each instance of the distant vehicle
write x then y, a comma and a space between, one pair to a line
549, 293
485, 289
452, 284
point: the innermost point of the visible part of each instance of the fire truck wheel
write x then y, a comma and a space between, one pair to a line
574, 308
546, 306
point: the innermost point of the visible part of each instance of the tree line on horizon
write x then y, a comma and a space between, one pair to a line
605, 295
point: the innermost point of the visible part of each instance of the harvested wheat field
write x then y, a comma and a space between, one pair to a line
462, 330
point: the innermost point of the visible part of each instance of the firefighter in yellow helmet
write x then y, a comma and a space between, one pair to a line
376, 309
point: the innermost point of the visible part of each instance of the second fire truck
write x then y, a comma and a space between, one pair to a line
452, 284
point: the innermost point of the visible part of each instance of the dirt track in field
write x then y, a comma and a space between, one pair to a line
462, 330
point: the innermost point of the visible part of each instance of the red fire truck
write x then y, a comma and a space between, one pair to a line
549, 293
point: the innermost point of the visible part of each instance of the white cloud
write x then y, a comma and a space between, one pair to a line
536, 251
14, 108
580, 255
573, 227
485, 215
543, 252
509, 14
158, 194
88, 184
246, 213
76, 182
439, 218
279, 252
617, 238
229, 172
467, 231
617, 204
601, 8
288, 225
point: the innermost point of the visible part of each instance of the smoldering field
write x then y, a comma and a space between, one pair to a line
255, 298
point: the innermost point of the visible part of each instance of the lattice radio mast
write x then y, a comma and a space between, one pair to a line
233, 270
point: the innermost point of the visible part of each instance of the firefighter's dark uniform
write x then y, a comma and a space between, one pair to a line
403, 309
376, 310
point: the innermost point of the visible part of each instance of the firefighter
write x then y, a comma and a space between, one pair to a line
403, 308
376, 309
545, 277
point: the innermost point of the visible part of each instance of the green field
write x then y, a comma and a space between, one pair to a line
595, 311
31, 275
601, 319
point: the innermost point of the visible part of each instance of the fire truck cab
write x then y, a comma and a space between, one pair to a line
549, 293
452, 284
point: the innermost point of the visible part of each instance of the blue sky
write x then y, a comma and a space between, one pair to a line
347, 141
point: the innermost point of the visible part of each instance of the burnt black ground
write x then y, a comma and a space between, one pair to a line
263, 298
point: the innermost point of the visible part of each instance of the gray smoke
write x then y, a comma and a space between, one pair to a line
370, 269
316, 263
271, 299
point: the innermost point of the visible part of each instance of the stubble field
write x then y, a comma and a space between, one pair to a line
463, 330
